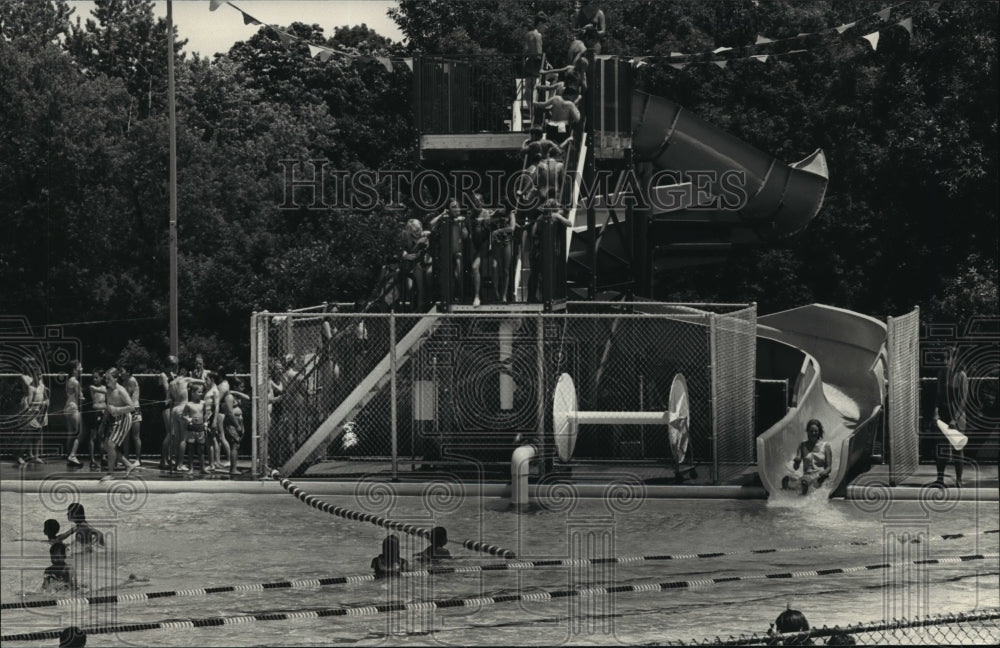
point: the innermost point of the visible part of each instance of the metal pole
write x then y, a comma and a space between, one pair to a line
172, 129
715, 398
254, 397
392, 398
540, 372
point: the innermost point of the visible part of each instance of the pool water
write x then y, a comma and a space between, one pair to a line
200, 540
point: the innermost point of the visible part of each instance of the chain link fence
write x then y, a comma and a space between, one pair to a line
903, 374
734, 364
981, 627
344, 389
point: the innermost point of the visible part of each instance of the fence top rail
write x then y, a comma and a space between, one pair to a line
347, 310
512, 56
86, 376
506, 316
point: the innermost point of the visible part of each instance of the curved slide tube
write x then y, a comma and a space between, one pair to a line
784, 197
776, 199
840, 384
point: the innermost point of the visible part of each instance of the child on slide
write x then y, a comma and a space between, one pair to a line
814, 456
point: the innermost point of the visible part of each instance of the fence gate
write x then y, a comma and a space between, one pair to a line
903, 337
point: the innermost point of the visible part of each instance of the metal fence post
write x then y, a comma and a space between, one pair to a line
260, 393
713, 387
392, 396
254, 400
540, 333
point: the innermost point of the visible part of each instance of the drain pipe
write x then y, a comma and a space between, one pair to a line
520, 467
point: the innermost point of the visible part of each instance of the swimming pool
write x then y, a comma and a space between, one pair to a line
199, 540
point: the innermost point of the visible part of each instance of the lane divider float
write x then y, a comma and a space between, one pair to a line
479, 601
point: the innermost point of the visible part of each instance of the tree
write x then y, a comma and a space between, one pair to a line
35, 23
124, 41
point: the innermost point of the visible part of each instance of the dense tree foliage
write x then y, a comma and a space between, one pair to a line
910, 131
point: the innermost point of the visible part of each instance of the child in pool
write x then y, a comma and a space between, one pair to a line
72, 637
435, 551
85, 536
389, 564
58, 574
51, 530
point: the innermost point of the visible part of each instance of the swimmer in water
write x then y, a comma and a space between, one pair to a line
84, 535
51, 530
389, 564
435, 551
58, 574
72, 637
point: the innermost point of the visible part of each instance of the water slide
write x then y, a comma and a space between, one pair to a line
755, 197
840, 382
839, 355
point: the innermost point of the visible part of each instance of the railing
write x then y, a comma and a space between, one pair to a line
466, 95
463, 95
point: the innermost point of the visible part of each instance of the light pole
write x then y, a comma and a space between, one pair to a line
172, 128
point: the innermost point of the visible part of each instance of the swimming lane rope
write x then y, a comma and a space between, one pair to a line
385, 523
478, 601
464, 569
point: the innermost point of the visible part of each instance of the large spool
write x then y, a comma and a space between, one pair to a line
566, 418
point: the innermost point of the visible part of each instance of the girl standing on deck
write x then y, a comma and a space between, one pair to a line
35, 405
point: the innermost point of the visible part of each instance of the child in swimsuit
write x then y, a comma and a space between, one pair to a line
195, 432
84, 535
815, 457
388, 564
435, 551
58, 574
234, 432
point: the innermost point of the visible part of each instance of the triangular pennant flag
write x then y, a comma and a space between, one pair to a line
843, 28
385, 62
763, 40
884, 14
248, 19
798, 51
286, 38
324, 54
760, 57
678, 66
409, 63
314, 50
907, 24
214, 4
639, 60
721, 64
873, 39
677, 54
721, 49
803, 34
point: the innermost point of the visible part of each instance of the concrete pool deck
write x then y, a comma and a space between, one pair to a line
981, 483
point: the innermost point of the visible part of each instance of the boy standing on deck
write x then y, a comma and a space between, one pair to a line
132, 386
233, 426
193, 415
119, 422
